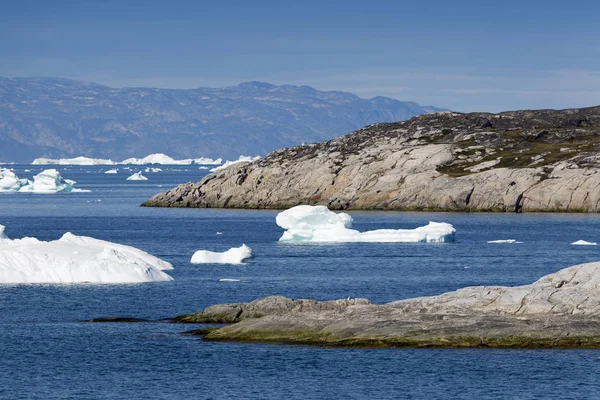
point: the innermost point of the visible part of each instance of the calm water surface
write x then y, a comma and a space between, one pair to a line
46, 353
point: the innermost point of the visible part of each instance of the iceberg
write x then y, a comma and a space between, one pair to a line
112, 171
153, 170
46, 182
9, 182
151, 159
319, 224
584, 243
164, 159
76, 259
232, 256
503, 241
72, 161
239, 160
137, 177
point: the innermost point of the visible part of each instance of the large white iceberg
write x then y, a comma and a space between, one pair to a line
232, 256
76, 259
137, 177
319, 224
46, 182
72, 161
239, 160
166, 160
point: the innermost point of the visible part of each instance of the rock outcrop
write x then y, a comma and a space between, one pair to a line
558, 310
542, 160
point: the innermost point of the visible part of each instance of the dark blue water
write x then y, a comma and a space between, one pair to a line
46, 353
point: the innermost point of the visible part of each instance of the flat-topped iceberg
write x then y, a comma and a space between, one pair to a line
319, 224
151, 159
112, 171
239, 160
73, 161
232, 256
137, 177
504, 241
76, 259
46, 182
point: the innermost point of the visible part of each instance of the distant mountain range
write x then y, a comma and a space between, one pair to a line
54, 117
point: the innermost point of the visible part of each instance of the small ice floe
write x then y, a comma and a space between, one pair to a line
584, 243
219, 233
319, 224
229, 280
76, 259
232, 256
137, 177
504, 241
112, 171
150, 169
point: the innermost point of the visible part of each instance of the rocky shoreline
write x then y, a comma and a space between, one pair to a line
535, 161
560, 310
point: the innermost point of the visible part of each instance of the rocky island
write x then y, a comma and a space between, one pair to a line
541, 160
560, 310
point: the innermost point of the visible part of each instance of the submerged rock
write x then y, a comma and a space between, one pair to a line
542, 160
558, 310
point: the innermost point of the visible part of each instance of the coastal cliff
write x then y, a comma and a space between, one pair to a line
540, 160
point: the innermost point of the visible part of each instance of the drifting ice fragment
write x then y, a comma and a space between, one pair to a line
584, 243
137, 177
232, 256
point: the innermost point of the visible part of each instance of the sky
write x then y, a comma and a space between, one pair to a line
464, 55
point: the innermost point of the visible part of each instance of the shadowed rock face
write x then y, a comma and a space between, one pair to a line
543, 160
558, 310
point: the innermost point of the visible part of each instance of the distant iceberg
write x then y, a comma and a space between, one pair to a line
232, 256
504, 241
166, 160
46, 182
73, 161
584, 243
112, 171
319, 224
76, 259
239, 160
151, 159
137, 177
150, 169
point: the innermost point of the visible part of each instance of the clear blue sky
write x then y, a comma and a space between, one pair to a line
465, 55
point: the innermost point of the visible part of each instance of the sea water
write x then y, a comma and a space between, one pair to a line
47, 353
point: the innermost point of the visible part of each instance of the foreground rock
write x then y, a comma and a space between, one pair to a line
541, 160
559, 310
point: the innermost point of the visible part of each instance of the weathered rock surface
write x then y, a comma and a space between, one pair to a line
558, 310
542, 160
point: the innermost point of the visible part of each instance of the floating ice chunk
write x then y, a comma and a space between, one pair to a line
584, 243
239, 160
112, 171
232, 256
137, 177
149, 169
76, 259
229, 280
319, 224
50, 181
202, 167
219, 233
503, 241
